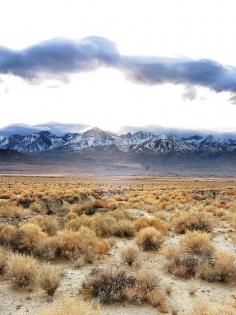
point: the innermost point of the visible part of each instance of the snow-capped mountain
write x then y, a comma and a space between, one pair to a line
193, 140
214, 144
10, 142
164, 143
95, 138
132, 140
211, 143
36, 142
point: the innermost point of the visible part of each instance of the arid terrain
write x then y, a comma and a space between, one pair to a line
117, 246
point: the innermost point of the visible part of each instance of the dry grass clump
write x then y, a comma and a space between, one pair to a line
221, 267
192, 220
100, 203
202, 308
157, 223
77, 209
113, 205
28, 238
124, 228
4, 256
183, 265
104, 225
73, 244
49, 278
70, 216
107, 285
75, 223
36, 207
8, 234
89, 207
10, 211
121, 214
149, 239
80, 209
130, 255
49, 248
115, 285
71, 306
197, 243
47, 224
22, 271
84, 259
196, 256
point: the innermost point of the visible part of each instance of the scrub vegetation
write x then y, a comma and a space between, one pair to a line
157, 244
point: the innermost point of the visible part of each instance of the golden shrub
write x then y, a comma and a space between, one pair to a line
149, 238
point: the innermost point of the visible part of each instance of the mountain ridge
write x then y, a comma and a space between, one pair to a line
139, 141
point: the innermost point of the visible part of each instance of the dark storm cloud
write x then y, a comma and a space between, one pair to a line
61, 57
202, 72
56, 128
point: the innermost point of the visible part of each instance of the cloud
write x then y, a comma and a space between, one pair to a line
233, 99
190, 93
58, 58
56, 128
204, 72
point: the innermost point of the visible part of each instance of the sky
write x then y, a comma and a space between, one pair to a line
121, 63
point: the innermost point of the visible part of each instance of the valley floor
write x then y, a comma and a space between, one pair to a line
133, 204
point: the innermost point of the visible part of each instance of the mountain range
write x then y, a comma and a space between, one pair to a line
141, 141
101, 151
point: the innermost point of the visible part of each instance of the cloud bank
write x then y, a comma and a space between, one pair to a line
180, 132
58, 58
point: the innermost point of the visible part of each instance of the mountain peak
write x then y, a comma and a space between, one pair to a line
94, 131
